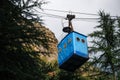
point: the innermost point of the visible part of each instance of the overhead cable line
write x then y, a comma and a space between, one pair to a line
71, 12
62, 17
50, 15
88, 18
58, 16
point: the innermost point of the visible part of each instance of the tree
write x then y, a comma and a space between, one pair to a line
118, 31
18, 36
105, 45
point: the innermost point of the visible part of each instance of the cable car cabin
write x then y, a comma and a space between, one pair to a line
72, 51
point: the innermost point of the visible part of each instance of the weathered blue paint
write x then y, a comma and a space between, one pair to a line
72, 51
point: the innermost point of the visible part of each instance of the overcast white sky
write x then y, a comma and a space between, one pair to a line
83, 6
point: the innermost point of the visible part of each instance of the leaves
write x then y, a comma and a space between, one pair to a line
18, 59
105, 41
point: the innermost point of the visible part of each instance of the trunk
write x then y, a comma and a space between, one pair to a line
114, 75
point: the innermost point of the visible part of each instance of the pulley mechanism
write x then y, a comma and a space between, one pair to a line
70, 27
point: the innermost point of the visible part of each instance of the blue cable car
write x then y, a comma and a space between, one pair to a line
72, 50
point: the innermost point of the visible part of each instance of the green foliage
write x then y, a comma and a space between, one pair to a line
59, 74
18, 36
105, 44
118, 31
70, 75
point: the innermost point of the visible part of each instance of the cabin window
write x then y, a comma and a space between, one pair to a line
65, 45
83, 41
59, 50
78, 39
69, 40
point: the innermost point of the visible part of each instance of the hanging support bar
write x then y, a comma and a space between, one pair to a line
70, 27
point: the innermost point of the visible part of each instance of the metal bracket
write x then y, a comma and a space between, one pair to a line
70, 27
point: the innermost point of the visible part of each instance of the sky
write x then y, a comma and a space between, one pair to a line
83, 6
